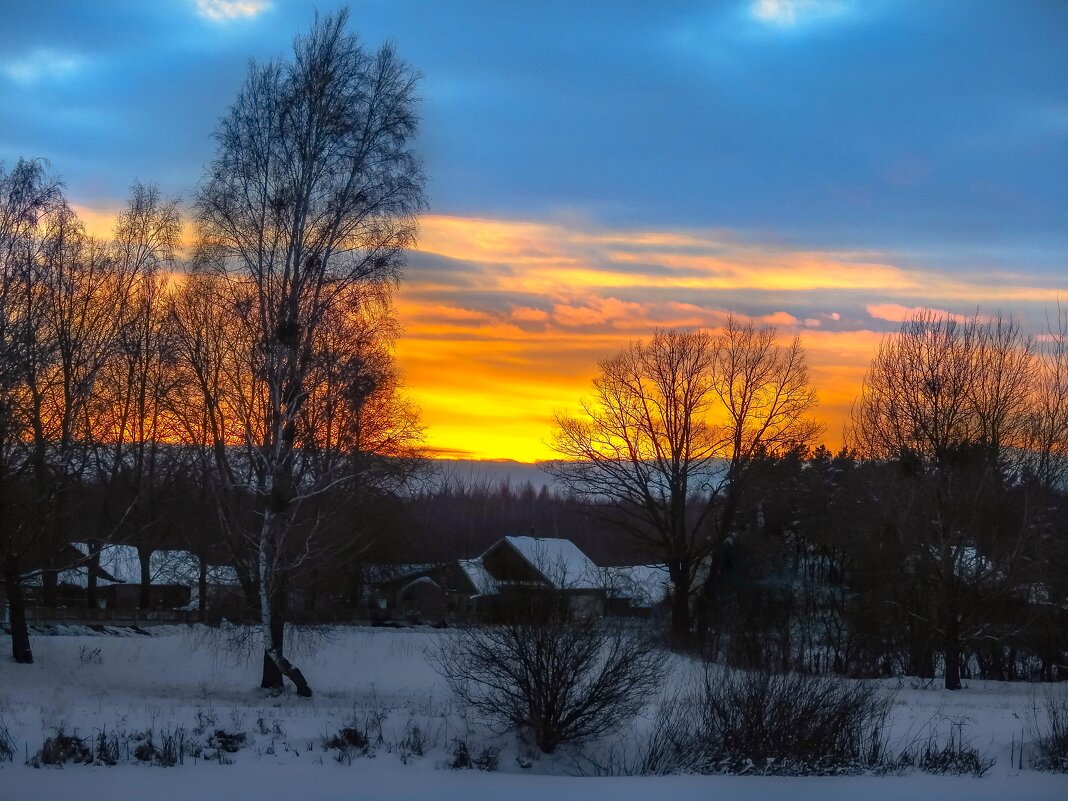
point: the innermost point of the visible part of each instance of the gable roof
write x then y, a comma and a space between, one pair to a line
119, 564
479, 577
560, 561
644, 586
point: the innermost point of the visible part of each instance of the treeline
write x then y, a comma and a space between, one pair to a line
934, 543
258, 378
836, 565
129, 412
832, 564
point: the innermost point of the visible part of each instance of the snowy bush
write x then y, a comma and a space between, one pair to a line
462, 759
164, 750
791, 723
955, 756
787, 723
1049, 730
7, 744
62, 748
768, 723
105, 749
563, 677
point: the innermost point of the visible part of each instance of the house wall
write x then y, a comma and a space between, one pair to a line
422, 600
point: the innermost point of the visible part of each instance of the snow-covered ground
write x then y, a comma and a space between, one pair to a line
189, 680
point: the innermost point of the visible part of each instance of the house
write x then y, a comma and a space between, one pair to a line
174, 577
635, 589
510, 576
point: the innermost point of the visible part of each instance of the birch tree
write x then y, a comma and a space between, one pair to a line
311, 197
29, 200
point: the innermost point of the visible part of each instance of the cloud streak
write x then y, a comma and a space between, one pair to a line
505, 321
224, 10
41, 65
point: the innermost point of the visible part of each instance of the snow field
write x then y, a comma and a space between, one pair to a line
197, 680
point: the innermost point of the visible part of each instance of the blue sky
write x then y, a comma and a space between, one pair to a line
596, 169
906, 126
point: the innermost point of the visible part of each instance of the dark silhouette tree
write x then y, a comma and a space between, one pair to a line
311, 198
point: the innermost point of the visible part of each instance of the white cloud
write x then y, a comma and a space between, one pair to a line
38, 65
222, 10
790, 12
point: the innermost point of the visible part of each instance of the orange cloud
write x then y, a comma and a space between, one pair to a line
510, 329
558, 300
896, 313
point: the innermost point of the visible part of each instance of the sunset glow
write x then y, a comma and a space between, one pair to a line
513, 330
593, 174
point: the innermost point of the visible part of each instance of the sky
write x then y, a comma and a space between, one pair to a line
597, 170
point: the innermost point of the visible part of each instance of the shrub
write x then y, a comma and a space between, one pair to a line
349, 742
105, 749
789, 723
486, 760
229, 742
957, 757
1049, 730
567, 678
62, 748
764, 723
169, 752
414, 742
461, 756
347, 737
7, 744
677, 742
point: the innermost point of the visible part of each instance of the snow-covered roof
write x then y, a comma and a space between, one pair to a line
377, 573
183, 567
562, 563
421, 580
643, 585
476, 572
122, 564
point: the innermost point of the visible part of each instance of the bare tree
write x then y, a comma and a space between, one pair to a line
766, 401
1048, 435
949, 400
28, 199
311, 197
646, 443
130, 421
671, 432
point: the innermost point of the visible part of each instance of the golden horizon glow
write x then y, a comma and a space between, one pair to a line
512, 331
504, 321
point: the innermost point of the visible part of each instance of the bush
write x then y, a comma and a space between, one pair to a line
7, 744
105, 749
229, 742
169, 752
790, 723
1049, 731
62, 748
957, 757
677, 742
352, 741
486, 760
564, 677
764, 723
347, 737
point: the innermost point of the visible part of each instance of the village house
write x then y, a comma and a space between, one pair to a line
510, 575
174, 580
